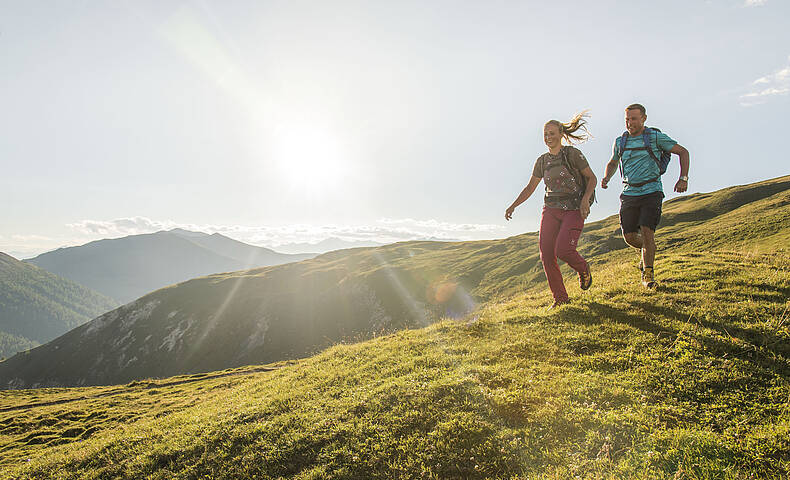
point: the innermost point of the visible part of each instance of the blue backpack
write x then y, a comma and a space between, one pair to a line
661, 160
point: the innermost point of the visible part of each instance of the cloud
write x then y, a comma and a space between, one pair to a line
767, 87
30, 238
754, 3
384, 230
26, 246
442, 226
121, 227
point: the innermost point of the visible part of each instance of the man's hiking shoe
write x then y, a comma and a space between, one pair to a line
647, 278
585, 279
558, 303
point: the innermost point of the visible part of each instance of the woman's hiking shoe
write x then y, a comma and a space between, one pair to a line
585, 279
558, 303
647, 278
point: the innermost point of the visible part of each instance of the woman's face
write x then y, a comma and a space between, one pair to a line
551, 135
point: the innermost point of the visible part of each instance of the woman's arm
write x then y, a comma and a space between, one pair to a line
523, 196
589, 176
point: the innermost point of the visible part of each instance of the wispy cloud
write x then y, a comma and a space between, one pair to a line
438, 226
30, 238
384, 230
754, 3
765, 88
121, 227
26, 246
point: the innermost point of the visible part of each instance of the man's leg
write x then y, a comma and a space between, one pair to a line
649, 217
629, 222
648, 257
648, 246
634, 239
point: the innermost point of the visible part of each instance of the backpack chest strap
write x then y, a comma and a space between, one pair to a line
645, 145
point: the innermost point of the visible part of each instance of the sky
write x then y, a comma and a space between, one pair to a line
278, 122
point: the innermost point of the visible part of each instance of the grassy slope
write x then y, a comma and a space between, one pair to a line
693, 378
292, 311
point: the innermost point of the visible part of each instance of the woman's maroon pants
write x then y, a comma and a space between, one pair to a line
559, 235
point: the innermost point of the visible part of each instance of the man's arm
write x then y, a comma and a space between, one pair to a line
523, 196
611, 167
682, 185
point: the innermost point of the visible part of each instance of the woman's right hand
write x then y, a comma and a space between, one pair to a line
584, 208
509, 213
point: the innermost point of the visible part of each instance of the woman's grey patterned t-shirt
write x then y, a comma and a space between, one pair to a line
562, 191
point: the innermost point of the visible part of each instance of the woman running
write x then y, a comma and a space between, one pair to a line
570, 184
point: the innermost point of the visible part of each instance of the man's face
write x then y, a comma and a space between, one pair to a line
634, 121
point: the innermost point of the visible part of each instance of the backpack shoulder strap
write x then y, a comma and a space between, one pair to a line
621, 144
648, 145
578, 176
574, 171
565, 161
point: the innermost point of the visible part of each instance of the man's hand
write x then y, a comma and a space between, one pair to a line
604, 183
584, 208
681, 186
509, 213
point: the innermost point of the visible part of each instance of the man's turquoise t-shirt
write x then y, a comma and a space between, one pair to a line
639, 166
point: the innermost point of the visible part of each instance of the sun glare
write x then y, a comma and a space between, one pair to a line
309, 158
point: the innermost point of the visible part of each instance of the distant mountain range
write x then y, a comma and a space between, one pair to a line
327, 245
333, 243
37, 306
288, 311
127, 268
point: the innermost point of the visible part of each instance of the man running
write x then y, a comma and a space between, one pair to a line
640, 167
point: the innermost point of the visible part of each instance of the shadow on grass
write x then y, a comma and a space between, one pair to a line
772, 293
770, 360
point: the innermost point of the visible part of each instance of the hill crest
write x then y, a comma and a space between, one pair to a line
297, 309
130, 267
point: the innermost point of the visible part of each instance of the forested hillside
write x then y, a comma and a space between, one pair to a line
37, 306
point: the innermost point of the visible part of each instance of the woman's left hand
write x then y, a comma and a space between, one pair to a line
584, 208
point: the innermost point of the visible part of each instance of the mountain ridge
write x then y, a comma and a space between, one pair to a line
290, 311
129, 267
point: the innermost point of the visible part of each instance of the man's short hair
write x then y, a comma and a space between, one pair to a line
637, 106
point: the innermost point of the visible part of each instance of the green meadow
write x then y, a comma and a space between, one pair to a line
691, 381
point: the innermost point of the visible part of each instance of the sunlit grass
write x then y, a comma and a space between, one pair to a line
690, 381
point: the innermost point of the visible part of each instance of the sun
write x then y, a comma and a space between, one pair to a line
309, 158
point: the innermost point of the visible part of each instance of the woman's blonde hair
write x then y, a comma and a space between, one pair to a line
569, 130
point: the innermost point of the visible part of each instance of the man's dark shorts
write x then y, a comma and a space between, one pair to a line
640, 210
